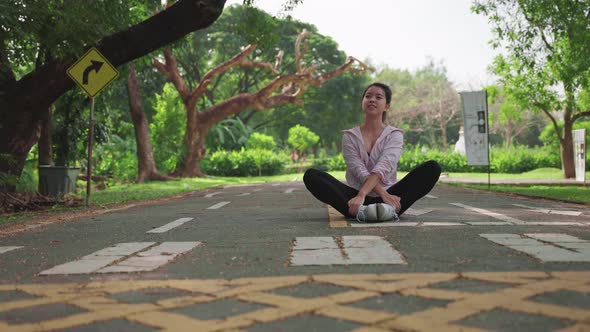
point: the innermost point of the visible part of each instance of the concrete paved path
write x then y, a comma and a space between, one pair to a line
270, 257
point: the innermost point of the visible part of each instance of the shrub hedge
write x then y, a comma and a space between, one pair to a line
252, 162
245, 162
512, 160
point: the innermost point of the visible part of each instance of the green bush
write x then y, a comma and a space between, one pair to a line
513, 160
322, 164
337, 163
29, 178
167, 129
302, 139
549, 138
260, 141
523, 159
245, 163
116, 158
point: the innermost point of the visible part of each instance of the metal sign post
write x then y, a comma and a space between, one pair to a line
90, 140
475, 124
92, 72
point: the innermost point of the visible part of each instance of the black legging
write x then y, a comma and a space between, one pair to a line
411, 188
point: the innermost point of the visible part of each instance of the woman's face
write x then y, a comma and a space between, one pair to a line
374, 101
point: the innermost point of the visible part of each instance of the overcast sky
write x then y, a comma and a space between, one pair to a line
404, 34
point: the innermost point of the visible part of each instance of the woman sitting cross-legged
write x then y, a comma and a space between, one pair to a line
372, 152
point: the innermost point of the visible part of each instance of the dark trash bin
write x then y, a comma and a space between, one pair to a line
57, 180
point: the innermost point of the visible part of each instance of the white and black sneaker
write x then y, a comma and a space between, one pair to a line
386, 212
367, 213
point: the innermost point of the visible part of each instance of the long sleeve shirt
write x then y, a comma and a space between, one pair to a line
382, 159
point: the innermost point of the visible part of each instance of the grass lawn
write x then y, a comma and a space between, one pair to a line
126, 193
577, 194
540, 173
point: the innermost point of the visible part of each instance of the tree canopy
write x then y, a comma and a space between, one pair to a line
545, 64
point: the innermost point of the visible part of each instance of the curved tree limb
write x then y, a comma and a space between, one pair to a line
170, 69
580, 115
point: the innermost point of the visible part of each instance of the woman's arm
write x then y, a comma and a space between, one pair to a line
370, 184
386, 166
352, 157
388, 198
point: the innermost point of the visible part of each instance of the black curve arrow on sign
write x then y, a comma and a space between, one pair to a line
96, 65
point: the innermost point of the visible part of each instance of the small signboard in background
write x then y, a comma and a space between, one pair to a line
579, 136
475, 121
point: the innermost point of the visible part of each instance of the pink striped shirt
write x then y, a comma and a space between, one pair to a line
381, 160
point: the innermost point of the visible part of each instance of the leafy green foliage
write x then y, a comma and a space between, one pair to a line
167, 129
227, 134
545, 65
33, 31
70, 127
321, 164
337, 163
301, 138
117, 159
548, 135
261, 142
518, 160
422, 101
513, 160
245, 163
334, 163
509, 118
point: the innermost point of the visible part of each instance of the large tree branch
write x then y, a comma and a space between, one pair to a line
281, 90
298, 52
218, 112
302, 80
50, 81
170, 69
554, 122
579, 115
292, 87
208, 77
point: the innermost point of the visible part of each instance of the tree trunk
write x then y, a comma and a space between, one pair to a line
445, 143
193, 156
145, 157
18, 134
24, 103
567, 151
508, 134
194, 141
45, 142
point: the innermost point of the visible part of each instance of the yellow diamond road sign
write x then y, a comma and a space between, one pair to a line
92, 72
